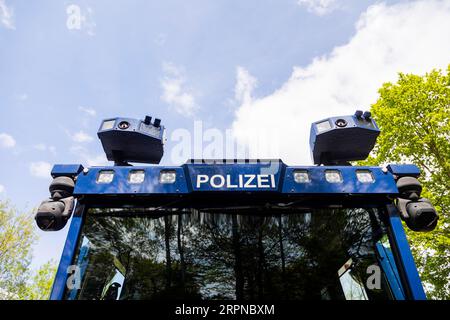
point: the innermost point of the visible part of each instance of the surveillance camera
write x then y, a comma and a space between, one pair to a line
127, 140
339, 140
419, 215
53, 215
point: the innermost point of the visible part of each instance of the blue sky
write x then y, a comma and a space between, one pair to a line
250, 66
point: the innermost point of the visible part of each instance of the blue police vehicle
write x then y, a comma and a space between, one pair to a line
237, 229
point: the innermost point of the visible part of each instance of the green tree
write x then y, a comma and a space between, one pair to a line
17, 235
414, 117
40, 283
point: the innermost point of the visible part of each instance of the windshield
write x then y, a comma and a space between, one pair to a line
235, 254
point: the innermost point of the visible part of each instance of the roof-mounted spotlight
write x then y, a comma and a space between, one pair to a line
148, 120
130, 140
338, 140
367, 115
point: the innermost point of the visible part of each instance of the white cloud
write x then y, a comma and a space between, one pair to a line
2, 188
40, 169
87, 158
6, 141
96, 160
89, 111
44, 147
6, 15
245, 84
81, 137
319, 7
388, 40
175, 93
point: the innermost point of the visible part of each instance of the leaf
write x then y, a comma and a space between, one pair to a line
414, 117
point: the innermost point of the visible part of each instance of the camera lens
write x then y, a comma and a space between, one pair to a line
124, 125
426, 218
422, 216
341, 123
45, 222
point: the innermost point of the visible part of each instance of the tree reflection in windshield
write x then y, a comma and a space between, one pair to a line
192, 254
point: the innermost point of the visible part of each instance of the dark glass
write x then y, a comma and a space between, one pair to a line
233, 254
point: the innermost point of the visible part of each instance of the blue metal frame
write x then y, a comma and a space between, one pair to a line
281, 175
404, 257
389, 267
71, 170
283, 183
59, 285
404, 170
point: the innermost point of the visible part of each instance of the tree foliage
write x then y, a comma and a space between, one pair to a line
40, 283
17, 235
414, 117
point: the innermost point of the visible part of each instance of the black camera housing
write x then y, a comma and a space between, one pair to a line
338, 140
53, 215
418, 213
422, 215
131, 140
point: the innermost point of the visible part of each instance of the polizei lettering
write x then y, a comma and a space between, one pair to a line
241, 181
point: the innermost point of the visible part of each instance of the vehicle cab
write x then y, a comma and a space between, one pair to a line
237, 229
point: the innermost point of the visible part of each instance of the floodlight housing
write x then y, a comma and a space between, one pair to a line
338, 140
131, 140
